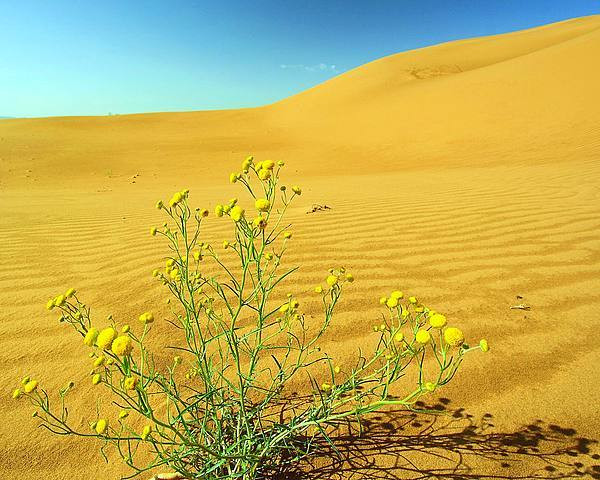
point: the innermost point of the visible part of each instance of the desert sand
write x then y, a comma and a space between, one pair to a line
466, 173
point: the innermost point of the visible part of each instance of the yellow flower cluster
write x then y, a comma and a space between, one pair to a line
263, 169
178, 197
262, 204
336, 277
130, 383
437, 320
237, 213
90, 337
29, 386
146, 317
146, 431
60, 300
101, 426
122, 346
454, 337
105, 338
393, 300
290, 307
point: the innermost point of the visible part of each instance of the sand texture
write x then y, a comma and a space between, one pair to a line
466, 173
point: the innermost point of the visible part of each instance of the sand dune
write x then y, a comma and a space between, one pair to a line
466, 173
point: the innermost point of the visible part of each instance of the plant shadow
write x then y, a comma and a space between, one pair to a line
450, 445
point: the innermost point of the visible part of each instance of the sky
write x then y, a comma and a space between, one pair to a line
74, 57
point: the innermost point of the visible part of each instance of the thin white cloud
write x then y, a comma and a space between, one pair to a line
319, 67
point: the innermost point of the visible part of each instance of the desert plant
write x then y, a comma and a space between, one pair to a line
223, 406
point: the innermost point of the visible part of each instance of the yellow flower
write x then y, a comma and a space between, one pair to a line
219, 210
204, 212
483, 344
155, 272
106, 337
123, 414
412, 300
226, 208
130, 383
125, 329
122, 346
226, 244
30, 386
174, 274
268, 164
70, 292
382, 327
101, 426
392, 302
50, 304
437, 320
146, 431
90, 337
383, 300
264, 174
233, 178
337, 369
284, 308
99, 361
237, 213
375, 328
262, 204
349, 277
16, 394
297, 190
318, 289
419, 309
175, 199
269, 256
454, 336
246, 164
96, 379
177, 360
423, 336
399, 337
197, 255
153, 231
170, 262
60, 300
397, 294
146, 317
430, 386
287, 235
331, 280
25, 380
325, 387
280, 163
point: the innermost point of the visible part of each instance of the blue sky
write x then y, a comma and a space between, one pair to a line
73, 57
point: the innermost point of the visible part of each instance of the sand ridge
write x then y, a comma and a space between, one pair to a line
466, 188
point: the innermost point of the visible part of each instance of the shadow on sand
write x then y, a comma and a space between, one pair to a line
453, 445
